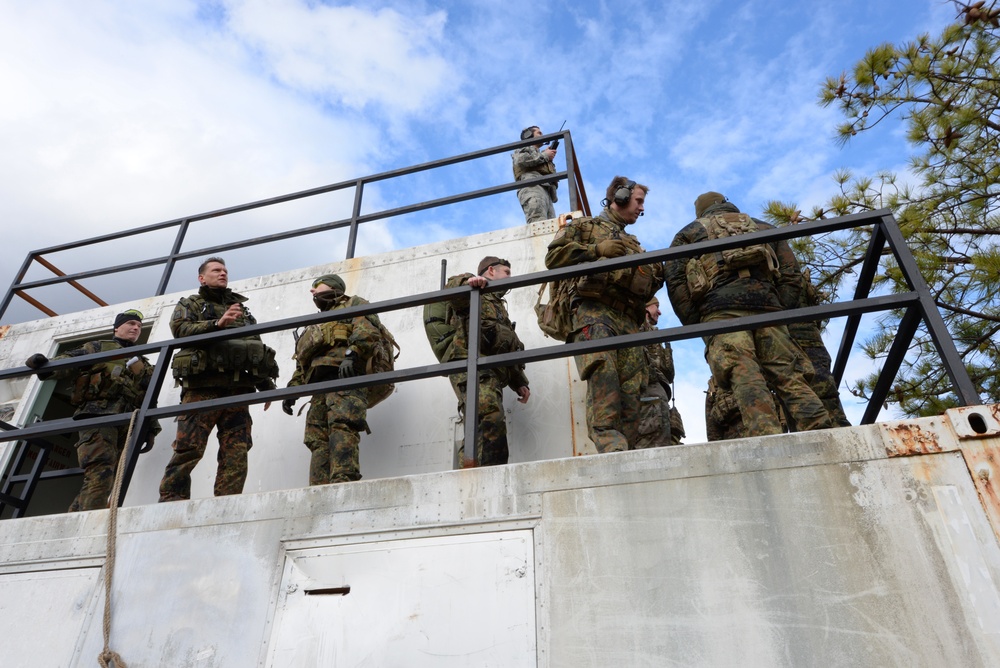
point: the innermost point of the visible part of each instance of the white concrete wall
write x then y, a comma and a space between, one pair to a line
813, 549
413, 431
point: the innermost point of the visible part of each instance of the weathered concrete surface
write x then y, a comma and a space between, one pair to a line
805, 549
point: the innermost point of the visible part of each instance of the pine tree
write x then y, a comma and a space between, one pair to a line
947, 91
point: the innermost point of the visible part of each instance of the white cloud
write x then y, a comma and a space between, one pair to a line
349, 55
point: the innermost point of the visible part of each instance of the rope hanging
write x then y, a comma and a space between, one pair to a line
109, 658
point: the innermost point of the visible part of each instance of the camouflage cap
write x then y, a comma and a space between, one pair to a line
491, 261
334, 281
706, 200
125, 316
653, 300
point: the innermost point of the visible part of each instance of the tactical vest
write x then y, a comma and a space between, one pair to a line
107, 381
703, 272
632, 284
318, 347
544, 169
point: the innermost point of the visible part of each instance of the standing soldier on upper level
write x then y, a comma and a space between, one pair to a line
531, 162
107, 388
659, 423
809, 336
335, 349
497, 336
609, 304
223, 369
757, 278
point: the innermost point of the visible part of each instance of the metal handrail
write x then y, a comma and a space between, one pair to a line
577, 199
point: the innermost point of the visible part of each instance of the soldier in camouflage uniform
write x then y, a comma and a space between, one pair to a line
747, 362
111, 387
497, 336
609, 304
659, 423
531, 162
810, 338
338, 349
229, 368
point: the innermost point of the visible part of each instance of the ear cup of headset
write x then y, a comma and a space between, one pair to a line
624, 193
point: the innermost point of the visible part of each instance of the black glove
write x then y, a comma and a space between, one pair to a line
37, 361
348, 368
287, 404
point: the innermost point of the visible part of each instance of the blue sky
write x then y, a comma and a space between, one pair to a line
124, 114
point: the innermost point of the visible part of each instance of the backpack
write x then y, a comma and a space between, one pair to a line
439, 327
555, 318
382, 360
703, 271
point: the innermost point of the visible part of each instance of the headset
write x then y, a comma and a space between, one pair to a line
623, 193
528, 132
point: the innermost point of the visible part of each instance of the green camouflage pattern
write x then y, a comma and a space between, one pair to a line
335, 420
197, 314
193, 430
614, 303
660, 423
756, 293
491, 432
111, 388
809, 336
334, 423
750, 363
615, 378
624, 290
498, 335
98, 451
536, 201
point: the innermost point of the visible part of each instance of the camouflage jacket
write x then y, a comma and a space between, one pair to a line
498, 333
659, 359
359, 334
757, 293
198, 314
530, 163
107, 388
625, 290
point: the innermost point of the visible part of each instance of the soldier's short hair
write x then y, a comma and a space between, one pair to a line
204, 265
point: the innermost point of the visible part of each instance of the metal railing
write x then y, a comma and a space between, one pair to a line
917, 304
19, 288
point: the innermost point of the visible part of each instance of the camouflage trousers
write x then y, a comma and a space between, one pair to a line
491, 429
536, 203
659, 423
824, 385
748, 362
334, 424
98, 451
615, 378
193, 430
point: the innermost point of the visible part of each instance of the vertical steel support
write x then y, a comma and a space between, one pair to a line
352, 237
897, 353
865, 279
471, 458
142, 427
168, 269
16, 282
